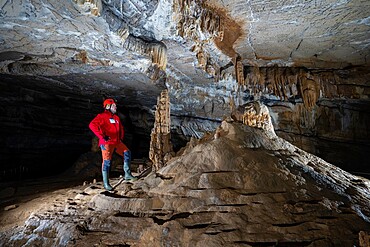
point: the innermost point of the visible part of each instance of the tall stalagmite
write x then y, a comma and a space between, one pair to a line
160, 143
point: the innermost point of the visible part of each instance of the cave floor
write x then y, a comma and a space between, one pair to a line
19, 199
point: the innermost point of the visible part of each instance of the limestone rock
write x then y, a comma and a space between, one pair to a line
243, 188
307, 61
160, 144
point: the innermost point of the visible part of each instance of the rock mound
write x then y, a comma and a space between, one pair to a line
244, 188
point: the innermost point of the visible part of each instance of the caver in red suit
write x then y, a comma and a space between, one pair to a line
108, 128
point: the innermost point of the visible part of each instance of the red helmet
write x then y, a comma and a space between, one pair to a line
108, 102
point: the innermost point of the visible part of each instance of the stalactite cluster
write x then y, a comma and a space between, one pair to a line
204, 24
160, 144
156, 50
211, 22
284, 83
95, 5
254, 117
192, 16
204, 60
239, 70
201, 24
135, 44
254, 114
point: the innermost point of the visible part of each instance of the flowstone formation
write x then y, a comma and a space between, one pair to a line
243, 188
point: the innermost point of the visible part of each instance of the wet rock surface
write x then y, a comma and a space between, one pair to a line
244, 188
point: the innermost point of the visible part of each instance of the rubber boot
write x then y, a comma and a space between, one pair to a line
126, 166
128, 175
106, 181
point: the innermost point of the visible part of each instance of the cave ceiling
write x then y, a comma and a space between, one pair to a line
71, 41
210, 55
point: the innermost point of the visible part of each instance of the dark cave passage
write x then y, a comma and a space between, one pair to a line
44, 128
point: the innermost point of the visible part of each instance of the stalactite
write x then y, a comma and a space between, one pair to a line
202, 59
254, 78
160, 144
123, 33
328, 81
254, 114
309, 92
192, 16
156, 50
211, 70
94, 5
201, 24
284, 83
239, 70
232, 104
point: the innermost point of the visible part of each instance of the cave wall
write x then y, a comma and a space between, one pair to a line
336, 131
43, 127
325, 112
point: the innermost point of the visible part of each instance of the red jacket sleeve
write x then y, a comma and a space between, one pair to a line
95, 126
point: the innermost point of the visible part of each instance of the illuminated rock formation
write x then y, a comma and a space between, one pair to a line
157, 51
364, 239
256, 115
239, 70
240, 189
160, 144
193, 16
310, 85
205, 24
